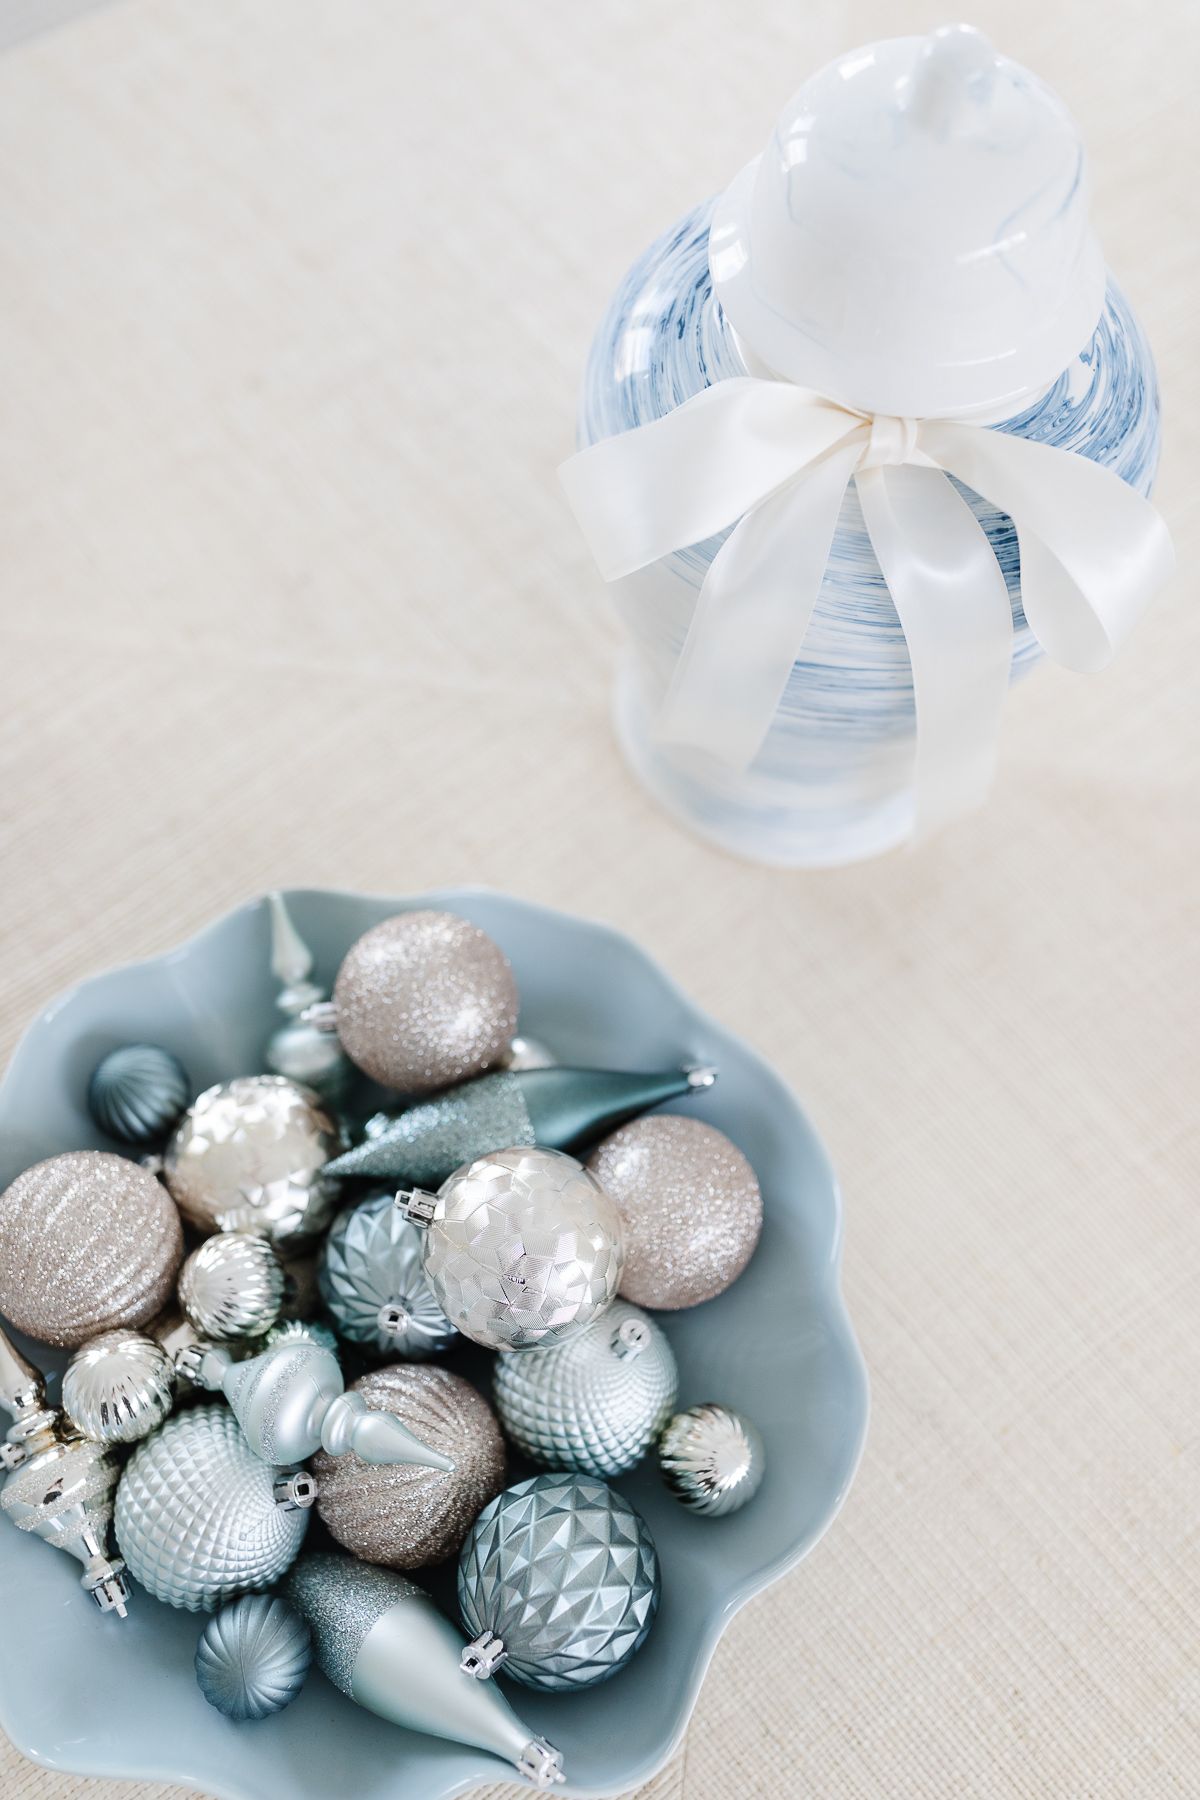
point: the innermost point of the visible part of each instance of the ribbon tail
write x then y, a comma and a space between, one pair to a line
752, 617
953, 606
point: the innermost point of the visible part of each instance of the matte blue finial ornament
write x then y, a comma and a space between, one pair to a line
253, 1657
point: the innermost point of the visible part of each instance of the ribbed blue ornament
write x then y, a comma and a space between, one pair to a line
138, 1093
253, 1657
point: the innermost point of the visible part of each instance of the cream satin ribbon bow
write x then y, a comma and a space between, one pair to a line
778, 458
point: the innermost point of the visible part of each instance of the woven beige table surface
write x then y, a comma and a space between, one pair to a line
295, 298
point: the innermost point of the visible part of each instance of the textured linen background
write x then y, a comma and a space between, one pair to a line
295, 302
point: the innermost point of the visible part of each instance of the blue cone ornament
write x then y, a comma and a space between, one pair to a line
381, 1640
554, 1107
138, 1093
253, 1657
558, 1583
373, 1283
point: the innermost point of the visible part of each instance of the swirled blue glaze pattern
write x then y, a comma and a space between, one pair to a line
833, 779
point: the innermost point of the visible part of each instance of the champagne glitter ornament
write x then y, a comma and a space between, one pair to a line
374, 1285
61, 1490
424, 1000
690, 1206
557, 1583
232, 1286
300, 1049
249, 1155
411, 1517
200, 1518
88, 1241
253, 1657
119, 1387
594, 1404
522, 1247
291, 1401
382, 1641
555, 1108
138, 1092
712, 1459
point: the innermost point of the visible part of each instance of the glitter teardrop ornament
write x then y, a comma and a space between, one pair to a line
594, 1404
198, 1519
373, 1282
138, 1093
253, 1657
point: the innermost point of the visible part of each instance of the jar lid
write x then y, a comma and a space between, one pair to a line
914, 239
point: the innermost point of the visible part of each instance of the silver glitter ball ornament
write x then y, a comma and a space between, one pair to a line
594, 1404
232, 1286
198, 1518
88, 1241
563, 1572
522, 1247
690, 1205
119, 1387
712, 1459
424, 1000
409, 1517
138, 1093
373, 1283
248, 1156
253, 1657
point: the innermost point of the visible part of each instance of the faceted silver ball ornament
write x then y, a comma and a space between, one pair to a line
138, 1093
119, 1387
523, 1247
232, 1286
564, 1572
253, 1657
373, 1283
594, 1404
425, 1000
405, 1516
88, 1241
712, 1459
197, 1518
248, 1156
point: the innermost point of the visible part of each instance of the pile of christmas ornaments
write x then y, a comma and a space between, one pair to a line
247, 1249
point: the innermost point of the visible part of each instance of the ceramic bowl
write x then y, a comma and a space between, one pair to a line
98, 1696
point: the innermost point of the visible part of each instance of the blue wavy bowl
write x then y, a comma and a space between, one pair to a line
96, 1696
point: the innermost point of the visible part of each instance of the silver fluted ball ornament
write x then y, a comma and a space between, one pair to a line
307, 1331
138, 1093
198, 1515
253, 1657
404, 1516
119, 1387
522, 1247
558, 1583
248, 1156
232, 1286
373, 1283
594, 1404
88, 1241
424, 1000
712, 1459
690, 1205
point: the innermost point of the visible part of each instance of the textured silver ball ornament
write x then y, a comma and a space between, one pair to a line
253, 1657
138, 1093
712, 1459
232, 1286
88, 1241
307, 1331
690, 1205
248, 1156
198, 1516
558, 1583
404, 1516
425, 1000
594, 1404
119, 1387
522, 1247
373, 1283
